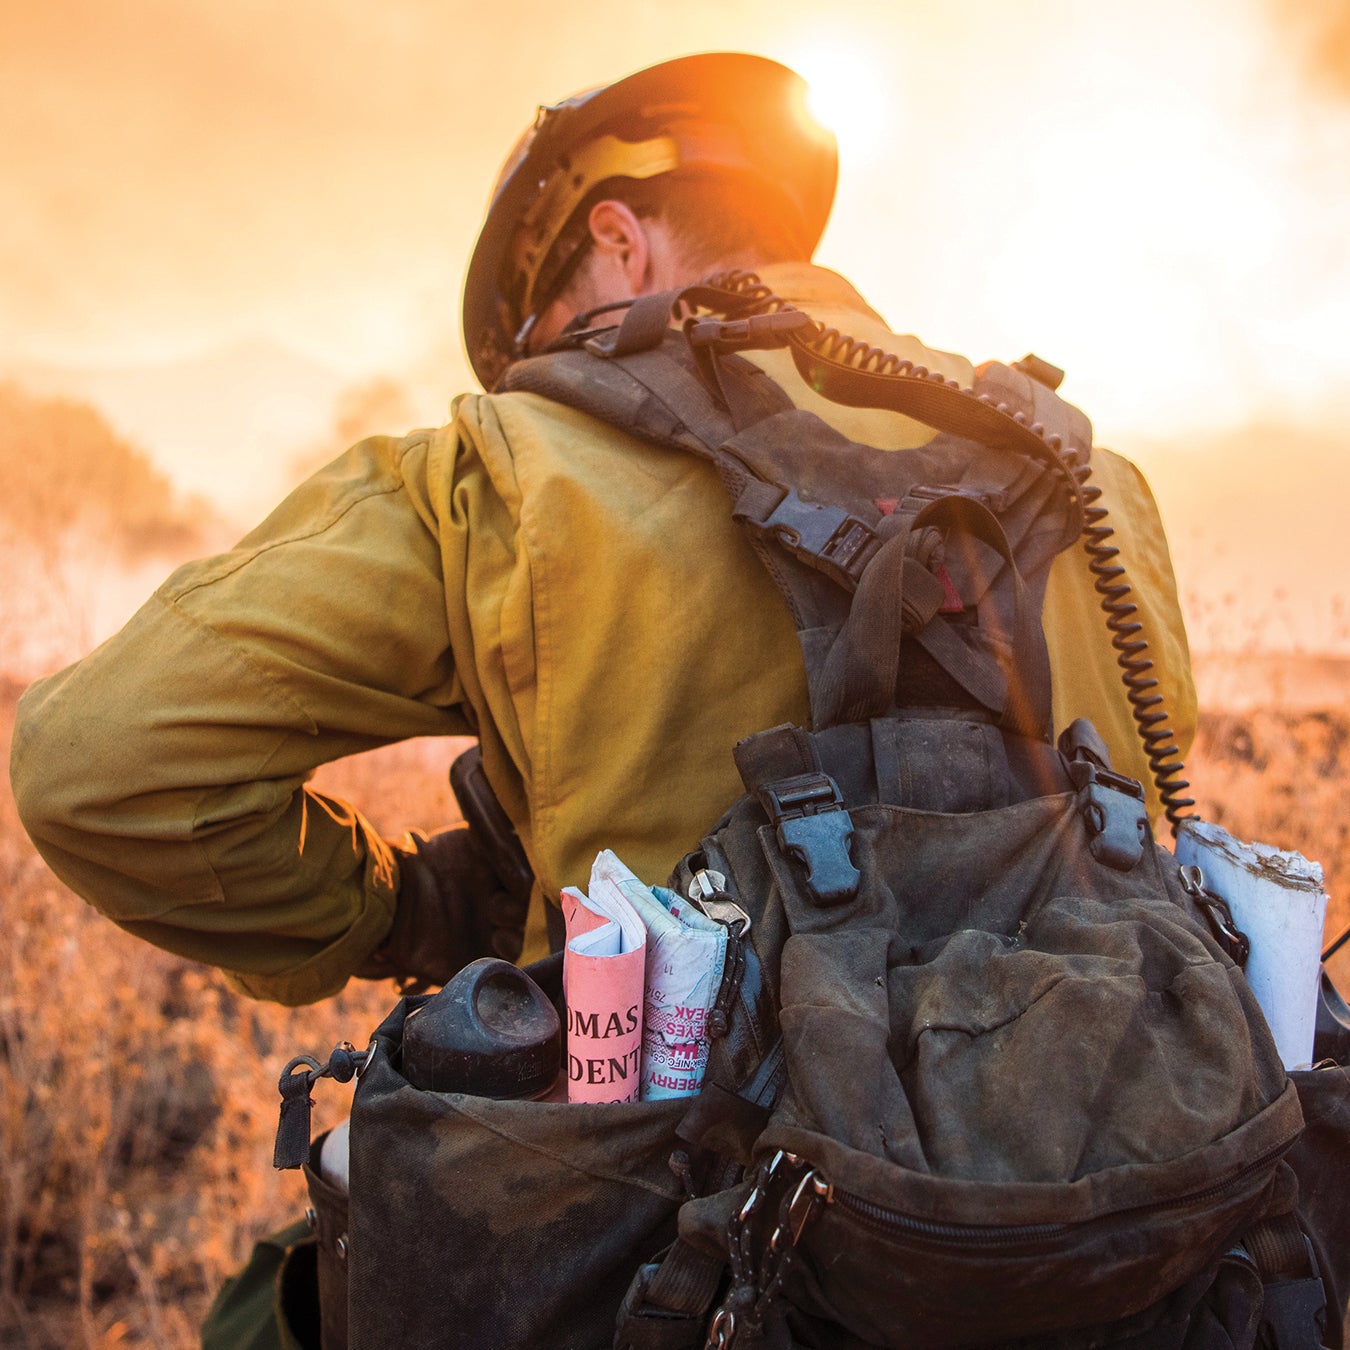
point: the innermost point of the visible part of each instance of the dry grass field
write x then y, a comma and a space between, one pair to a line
138, 1097
137, 1093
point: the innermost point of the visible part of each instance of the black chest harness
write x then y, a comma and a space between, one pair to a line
916, 578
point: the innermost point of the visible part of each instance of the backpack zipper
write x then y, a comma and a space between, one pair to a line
952, 1233
979, 1235
708, 891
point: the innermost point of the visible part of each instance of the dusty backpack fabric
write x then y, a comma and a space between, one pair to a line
1023, 1091
982, 1074
998, 1080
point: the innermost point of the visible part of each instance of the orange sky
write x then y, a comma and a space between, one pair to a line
1156, 196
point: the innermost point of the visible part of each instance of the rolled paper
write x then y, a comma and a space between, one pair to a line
1277, 899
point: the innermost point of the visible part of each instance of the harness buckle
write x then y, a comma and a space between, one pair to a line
1294, 1302
814, 827
757, 331
825, 537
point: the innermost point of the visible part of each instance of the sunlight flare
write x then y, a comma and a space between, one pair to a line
846, 92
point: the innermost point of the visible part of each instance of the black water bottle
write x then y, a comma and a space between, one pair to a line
491, 1032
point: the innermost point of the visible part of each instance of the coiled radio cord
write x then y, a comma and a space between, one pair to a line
1152, 721
1131, 644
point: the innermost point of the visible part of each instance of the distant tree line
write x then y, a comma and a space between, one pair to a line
63, 469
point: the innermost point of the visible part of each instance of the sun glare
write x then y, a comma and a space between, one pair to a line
845, 93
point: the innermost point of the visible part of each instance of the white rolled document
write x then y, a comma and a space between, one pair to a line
1277, 899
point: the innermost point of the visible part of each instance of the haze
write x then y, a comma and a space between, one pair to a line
217, 221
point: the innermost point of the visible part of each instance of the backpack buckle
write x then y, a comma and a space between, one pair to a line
1294, 1298
825, 537
1113, 809
756, 331
814, 827
1295, 1311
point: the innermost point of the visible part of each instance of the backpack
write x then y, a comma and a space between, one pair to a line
983, 1071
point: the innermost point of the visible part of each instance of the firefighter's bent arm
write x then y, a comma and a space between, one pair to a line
163, 777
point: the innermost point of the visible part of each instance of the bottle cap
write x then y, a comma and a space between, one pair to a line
491, 1032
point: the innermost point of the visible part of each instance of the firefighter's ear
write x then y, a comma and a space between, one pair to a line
622, 245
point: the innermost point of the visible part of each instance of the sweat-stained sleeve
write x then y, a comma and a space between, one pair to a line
162, 777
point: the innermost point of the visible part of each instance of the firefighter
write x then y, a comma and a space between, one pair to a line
577, 599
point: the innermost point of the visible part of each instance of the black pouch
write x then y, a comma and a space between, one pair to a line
1035, 1093
1321, 1161
327, 1216
476, 1222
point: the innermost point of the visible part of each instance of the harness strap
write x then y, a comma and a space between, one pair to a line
862, 668
1294, 1305
1007, 409
642, 327
852, 651
668, 1305
946, 406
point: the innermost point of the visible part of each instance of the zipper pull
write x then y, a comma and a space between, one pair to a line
708, 891
291, 1148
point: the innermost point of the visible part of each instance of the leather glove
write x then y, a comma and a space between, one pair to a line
451, 909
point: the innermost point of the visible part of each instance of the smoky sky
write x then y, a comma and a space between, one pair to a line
1317, 35
180, 175
1155, 196
161, 157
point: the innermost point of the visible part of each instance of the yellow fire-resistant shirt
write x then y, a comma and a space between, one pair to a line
581, 602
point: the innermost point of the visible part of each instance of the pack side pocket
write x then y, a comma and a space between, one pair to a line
477, 1222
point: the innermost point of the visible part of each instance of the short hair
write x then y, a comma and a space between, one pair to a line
715, 217
718, 218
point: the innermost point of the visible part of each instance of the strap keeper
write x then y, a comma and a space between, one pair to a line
644, 1326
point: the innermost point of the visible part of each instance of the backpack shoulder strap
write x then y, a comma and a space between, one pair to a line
821, 511
651, 393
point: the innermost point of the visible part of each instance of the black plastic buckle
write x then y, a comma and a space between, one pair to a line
757, 332
1295, 1312
822, 536
644, 1326
1113, 808
814, 827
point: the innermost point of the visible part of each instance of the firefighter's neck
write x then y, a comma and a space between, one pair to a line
629, 256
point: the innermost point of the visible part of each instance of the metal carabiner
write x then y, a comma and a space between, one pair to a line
811, 1190
722, 1332
1192, 880
1217, 914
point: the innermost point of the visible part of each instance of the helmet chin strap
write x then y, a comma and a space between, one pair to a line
522, 337
565, 274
